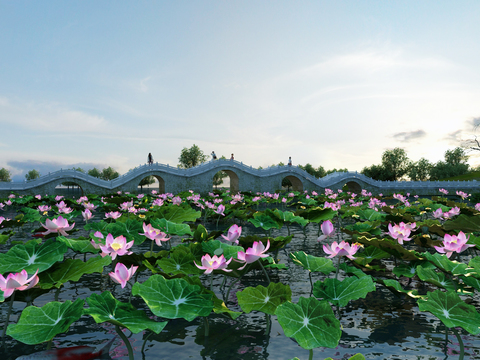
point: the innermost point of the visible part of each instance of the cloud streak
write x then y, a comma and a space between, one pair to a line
407, 136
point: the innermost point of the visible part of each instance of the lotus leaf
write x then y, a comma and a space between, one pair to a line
78, 245
105, 308
264, 299
174, 298
37, 325
171, 228
341, 292
310, 322
451, 310
312, 263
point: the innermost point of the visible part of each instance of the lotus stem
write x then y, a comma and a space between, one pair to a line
207, 327
125, 340
57, 293
310, 356
460, 341
233, 283
338, 268
269, 324
145, 342
49, 344
10, 305
311, 282
264, 271
151, 248
211, 281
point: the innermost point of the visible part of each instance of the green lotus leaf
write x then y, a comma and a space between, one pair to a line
442, 262
371, 215
200, 233
264, 221
31, 215
475, 264
130, 228
32, 256
105, 308
228, 250
318, 214
410, 269
171, 228
72, 270
96, 226
219, 307
341, 292
4, 237
312, 263
310, 322
471, 281
2, 298
180, 262
354, 357
78, 245
390, 246
436, 278
177, 213
369, 254
467, 224
40, 324
352, 270
174, 298
394, 286
264, 299
288, 216
451, 310
365, 227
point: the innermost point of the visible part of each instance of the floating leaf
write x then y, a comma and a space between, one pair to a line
369, 254
354, 357
288, 216
318, 214
341, 292
444, 263
394, 285
78, 245
105, 308
180, 262
451, 310
37, 325
467, 224
264, 299
72, 270
174, 298
32, 256
171, 228
310, 322
313, 263
389, 246
177, 213
264, 221
371, 215
229, 251
436, 278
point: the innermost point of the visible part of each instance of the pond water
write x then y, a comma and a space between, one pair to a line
381, 326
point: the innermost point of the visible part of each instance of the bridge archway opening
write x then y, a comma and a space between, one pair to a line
354, 187
292, 183
226, 179
69, 189
151, 182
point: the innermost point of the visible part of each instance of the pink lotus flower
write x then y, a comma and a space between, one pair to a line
17, 281
44, 208
122, 274
177, 200
399, 232
154, 234
1, 219
213, 263
220, 210
58, 198
113, 215
233, 233
463, 195
38, 197
443, 191
327, 229
438, 214
126, 205
65, 210
454, 211
87, 215
342, 249
157, 202
61, 205
59, 225
254, 253
453, 243
89, 206
116, 246
477, 206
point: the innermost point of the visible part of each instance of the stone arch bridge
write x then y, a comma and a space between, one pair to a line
242, 178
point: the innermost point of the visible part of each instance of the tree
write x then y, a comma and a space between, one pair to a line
456, 156
70, 183
318, 173
335, 170
396, 163
109, 174
94, 172
191, 157
455, 164
32, 175
376, 172
147, 181
420, 170
5, 175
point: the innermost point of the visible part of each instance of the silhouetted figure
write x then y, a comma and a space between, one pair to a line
214, 157
231, 157
289, 161
150, 159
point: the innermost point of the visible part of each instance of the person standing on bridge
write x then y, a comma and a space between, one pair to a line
214, 157
231, 158
150, 159
289, 161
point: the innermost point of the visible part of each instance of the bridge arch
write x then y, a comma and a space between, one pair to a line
296, 183
234, 180
353, 187
157, 180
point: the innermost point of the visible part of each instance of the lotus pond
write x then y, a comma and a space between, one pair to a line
242, 276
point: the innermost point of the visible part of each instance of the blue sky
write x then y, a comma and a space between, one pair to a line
331, 83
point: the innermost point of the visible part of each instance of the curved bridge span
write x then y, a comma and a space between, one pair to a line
242, 178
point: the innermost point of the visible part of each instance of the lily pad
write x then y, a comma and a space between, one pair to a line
174, 298
72, 270
394, 285
180, 262
37, 325
264, 299
32, 256
265, 222
410, 269
105, 308
341, 292
436, 278
451, 310
171, 228
467, 224
78, 245
312, 263
177, 213
310, 322
228, 250
444, 263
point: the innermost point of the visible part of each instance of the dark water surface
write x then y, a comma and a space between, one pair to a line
381, 326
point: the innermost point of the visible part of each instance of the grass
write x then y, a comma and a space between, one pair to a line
475, 175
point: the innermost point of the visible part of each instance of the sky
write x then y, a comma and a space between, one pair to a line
331, 83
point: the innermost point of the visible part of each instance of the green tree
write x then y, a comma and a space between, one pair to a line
109, 174
147, 181
376, 172
94, 172
335, 170
396, 163
191, 157
5, 175
456, 156
318, 173
32, 175
420, 170
455, 164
